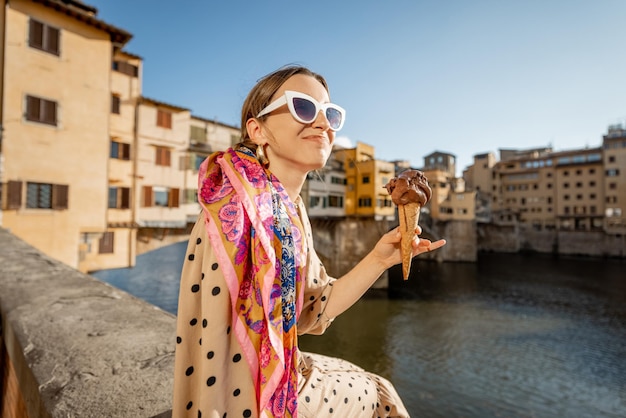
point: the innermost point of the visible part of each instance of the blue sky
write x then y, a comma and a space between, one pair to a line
415, 76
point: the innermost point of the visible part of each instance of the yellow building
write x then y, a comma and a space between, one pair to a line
116, 246
56, 103
614, 146
450, 200
89, 166
365, 182
549, 190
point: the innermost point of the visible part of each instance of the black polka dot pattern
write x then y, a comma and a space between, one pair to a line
342, 389
212, 373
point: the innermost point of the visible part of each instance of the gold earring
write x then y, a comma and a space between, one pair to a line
260, 155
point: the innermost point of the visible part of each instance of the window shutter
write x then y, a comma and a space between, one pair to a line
60, 196
183, 162
125, 198
174, 198
125, 151
14, 195
115, 104
35, 36
52, 40
105, 245
49, 112
147, 196
168, 157
33, 108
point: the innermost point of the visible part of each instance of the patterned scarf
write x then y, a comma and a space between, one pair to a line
256, 233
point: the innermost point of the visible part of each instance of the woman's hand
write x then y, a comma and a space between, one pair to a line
387, 250
349, 288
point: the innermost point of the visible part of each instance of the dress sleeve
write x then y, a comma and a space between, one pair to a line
317, 289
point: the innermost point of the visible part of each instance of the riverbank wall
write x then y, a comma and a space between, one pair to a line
518, 237
341, 243
72, 346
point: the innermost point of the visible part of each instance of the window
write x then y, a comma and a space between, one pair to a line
105, 244
365, 179
41, 110
612, 158
161, 196
125, 68
314, 201
115, 104
46, 196
335, 201
365, 202
163, 156
337, 180
198, 133
164, 119
614, 172
119, 197
199, 159
43, 37
190, 196
120, 150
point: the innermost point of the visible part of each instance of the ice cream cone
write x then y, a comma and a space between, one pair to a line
409, 215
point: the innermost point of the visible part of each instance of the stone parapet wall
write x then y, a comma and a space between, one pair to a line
77, 347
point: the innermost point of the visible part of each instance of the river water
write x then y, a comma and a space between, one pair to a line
509, 336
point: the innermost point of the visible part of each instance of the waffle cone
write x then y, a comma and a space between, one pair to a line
408, 215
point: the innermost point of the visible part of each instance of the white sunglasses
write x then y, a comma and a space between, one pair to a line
304, 109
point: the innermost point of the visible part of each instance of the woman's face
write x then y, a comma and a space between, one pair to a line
293, 145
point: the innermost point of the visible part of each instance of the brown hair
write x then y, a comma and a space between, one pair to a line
262, 93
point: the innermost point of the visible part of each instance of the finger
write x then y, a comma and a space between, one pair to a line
437, 244
424, 245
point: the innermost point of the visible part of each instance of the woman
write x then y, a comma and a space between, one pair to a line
252, 281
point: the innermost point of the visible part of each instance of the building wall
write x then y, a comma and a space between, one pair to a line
580, 194
74, 152
172, 176
614, 146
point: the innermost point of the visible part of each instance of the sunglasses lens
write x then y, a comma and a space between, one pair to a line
334, 117
305, 109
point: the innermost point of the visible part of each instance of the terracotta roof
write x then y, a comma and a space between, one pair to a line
87, 14
148, 100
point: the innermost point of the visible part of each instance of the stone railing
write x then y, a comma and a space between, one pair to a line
72, 346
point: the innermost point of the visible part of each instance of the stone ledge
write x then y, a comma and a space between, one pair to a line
80, 347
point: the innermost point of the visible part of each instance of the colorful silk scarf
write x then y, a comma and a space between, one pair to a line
256, 233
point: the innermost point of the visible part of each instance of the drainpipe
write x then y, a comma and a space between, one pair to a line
3, 10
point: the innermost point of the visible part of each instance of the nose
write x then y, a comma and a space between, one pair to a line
321, 121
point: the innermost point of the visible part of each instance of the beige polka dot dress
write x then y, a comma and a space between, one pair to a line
212, 378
